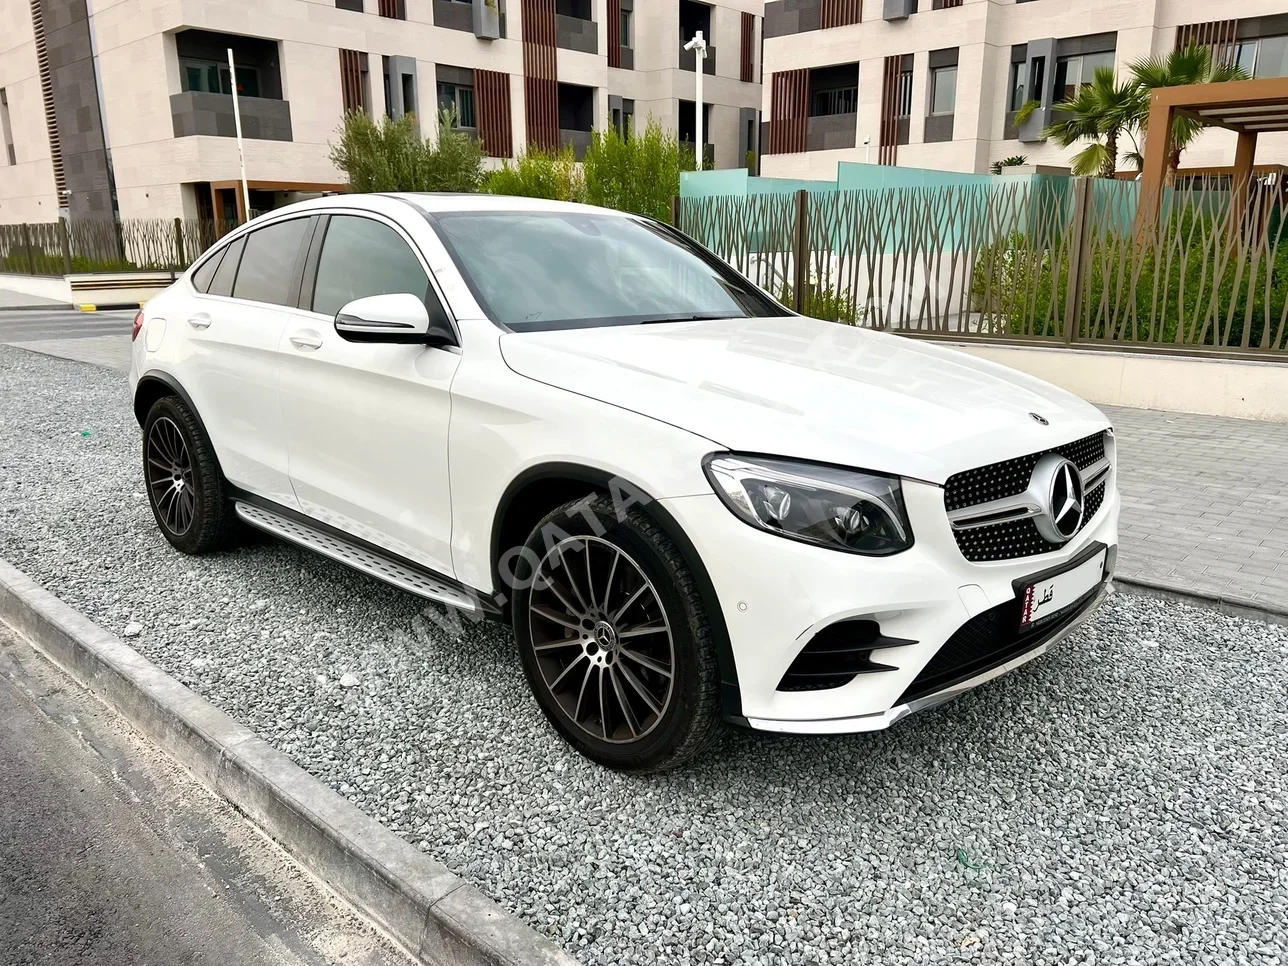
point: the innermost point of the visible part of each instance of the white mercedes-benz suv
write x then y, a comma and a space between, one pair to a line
690, 504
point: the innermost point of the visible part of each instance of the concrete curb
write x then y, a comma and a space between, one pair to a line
438, 918
1223, 603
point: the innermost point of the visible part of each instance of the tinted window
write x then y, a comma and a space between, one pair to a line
227, 271
362, 257
202, 276
540, 270
268, 263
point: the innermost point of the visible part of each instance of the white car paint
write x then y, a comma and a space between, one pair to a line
413, 448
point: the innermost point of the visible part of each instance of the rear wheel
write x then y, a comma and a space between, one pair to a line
613, 638
185, 487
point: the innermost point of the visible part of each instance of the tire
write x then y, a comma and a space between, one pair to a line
185, 486
609, 695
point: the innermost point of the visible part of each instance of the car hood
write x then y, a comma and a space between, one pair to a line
813, 390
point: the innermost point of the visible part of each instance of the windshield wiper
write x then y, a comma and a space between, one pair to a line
688, 318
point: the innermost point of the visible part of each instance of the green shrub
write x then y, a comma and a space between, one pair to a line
1017, 288
391, 155
46, 264
640, 173
826, 303
539, 174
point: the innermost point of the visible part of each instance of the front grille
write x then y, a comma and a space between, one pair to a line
987, 640
1015, 538
837, 654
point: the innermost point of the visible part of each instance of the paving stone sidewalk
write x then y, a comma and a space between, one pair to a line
1205, 504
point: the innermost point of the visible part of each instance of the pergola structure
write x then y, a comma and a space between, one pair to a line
1245, 107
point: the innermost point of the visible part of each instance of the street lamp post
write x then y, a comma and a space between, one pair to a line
699, 47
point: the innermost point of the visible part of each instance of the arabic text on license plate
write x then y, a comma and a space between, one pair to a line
1056, 593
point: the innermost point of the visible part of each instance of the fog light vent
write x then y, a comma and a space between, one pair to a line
838, 654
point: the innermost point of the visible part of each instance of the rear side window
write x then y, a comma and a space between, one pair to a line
267, 272
222, 284
362, 257
202, 276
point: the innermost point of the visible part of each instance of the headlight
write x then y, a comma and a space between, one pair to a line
838, 508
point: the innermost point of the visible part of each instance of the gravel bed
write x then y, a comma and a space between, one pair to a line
1122, 801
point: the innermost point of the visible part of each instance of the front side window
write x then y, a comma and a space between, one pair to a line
267, 270
362, 257
554, 270
943, 90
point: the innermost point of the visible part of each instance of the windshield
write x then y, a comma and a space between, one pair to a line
564, 269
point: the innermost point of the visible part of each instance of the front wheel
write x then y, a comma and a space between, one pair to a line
613, 638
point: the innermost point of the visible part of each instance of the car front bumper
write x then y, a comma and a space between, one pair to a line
777, 594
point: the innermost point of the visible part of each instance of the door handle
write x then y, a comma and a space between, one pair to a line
199, 321
307, 339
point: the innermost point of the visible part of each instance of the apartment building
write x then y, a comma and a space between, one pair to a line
938, 83
125, 106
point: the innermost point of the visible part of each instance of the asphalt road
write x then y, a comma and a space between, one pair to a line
110, 855
99, 338
36, 325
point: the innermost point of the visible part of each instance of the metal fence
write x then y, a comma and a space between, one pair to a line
74, 247
1056, 261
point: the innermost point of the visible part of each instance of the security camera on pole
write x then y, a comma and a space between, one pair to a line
699, 46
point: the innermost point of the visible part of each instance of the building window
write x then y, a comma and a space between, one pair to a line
215, 78
843, 101
393, 9
1078, 71
354, 6
943, 90
459, 99
1264, 57
905, 93
624, 119
1018, 89
6, 129
627, 39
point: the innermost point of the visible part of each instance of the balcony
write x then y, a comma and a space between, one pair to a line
689, 59
203, 113
575, 28
579, 141
831, 131
473, 16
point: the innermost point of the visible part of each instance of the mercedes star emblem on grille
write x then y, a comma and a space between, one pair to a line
1057, 483
1040, 418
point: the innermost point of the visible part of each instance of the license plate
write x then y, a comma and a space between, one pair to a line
1054, 594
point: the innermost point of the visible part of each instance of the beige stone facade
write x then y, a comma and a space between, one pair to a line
163, 142
985, 39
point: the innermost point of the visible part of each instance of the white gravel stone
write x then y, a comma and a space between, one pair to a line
1123, 797
349, 680
132, 629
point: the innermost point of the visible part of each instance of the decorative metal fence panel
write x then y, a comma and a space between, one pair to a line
1043, 261
74, 247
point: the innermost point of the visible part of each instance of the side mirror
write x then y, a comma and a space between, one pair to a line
400, 319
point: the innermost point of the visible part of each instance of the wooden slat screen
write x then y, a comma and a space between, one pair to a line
353, 94
540, 74
614, 33
841, 13
393, 9
747, 68
945, 4
891, 77
492, 107
47, 96
1219, 35
788, 111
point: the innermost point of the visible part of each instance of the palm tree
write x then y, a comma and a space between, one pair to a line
1188, 65
1102, 109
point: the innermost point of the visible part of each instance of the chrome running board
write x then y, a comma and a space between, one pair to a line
400, 575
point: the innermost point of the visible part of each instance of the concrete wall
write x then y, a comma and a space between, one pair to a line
1182, 384
26, 188
984, 31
